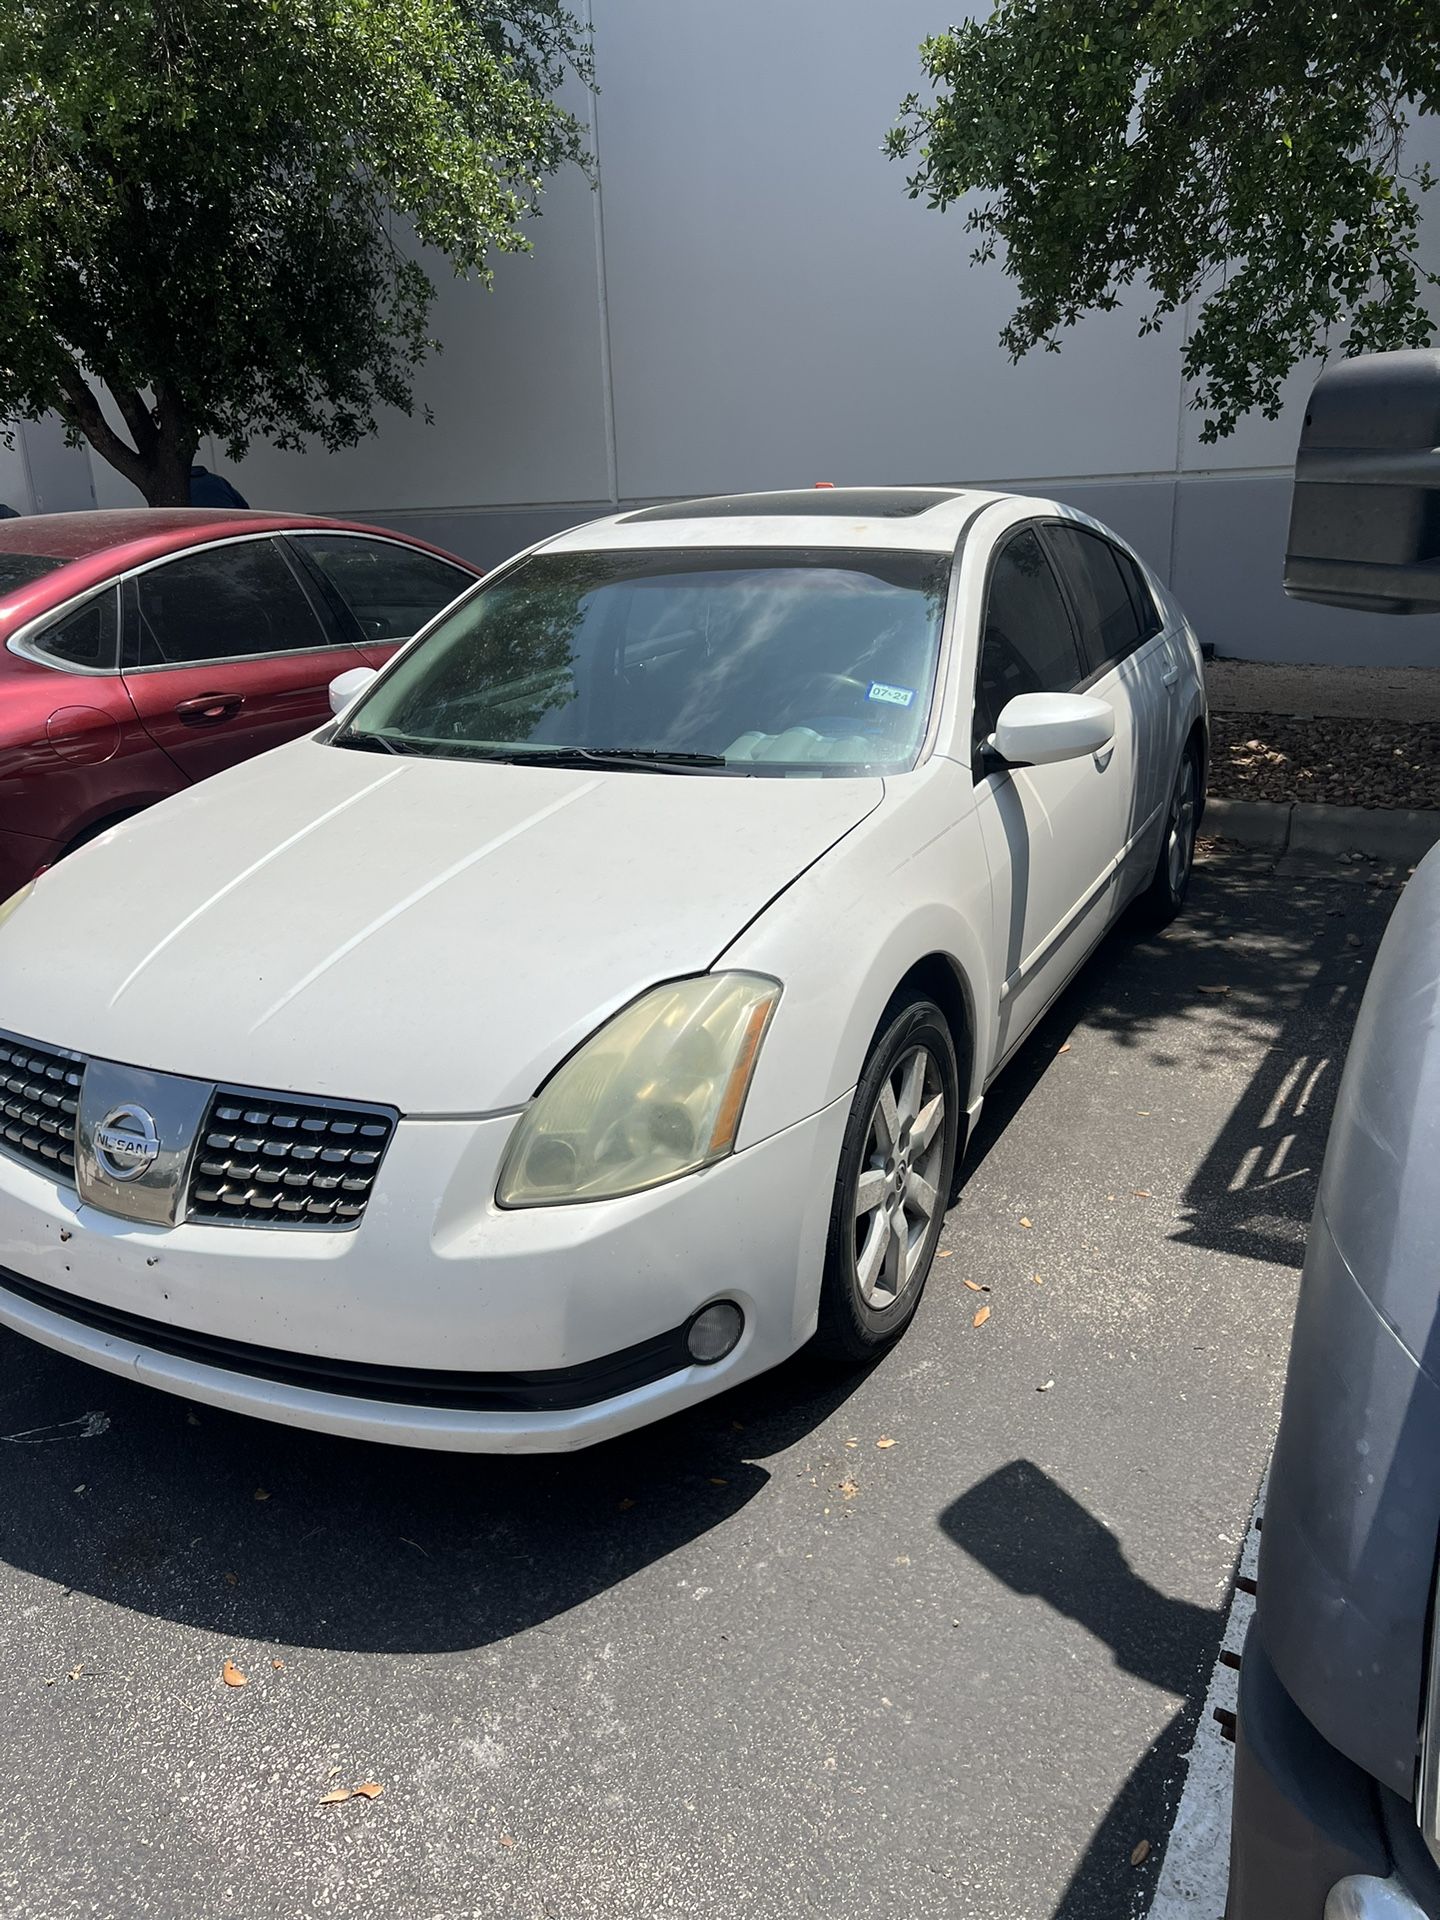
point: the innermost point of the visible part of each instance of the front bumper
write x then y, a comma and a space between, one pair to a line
438, 1287
1313, 1836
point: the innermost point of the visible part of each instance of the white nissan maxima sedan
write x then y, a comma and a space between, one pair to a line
592, 1014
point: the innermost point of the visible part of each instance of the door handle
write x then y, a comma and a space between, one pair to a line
1103, 755
1171, 671
206, 709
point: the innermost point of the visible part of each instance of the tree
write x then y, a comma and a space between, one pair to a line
1245, 154
205, 205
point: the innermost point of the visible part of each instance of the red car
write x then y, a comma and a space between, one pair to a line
143, 650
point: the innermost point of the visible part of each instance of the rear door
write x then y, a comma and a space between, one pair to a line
229, 651
1051, 833
1126, 662
382, 590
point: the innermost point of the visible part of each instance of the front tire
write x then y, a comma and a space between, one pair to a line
896, 1165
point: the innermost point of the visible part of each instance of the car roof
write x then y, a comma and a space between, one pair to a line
92, 547
920, 519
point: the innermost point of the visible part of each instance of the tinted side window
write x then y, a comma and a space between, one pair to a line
391, 590
1028, 643
224, 603
1091, 568
88, 637
1146, 611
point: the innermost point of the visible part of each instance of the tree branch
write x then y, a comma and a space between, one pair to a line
81, 410
137, 417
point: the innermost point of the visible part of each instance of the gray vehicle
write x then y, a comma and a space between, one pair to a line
1337, 1782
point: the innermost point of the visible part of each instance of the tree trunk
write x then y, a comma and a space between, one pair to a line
165, 443
165, 481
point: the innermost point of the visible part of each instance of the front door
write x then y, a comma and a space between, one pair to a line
1052, 834
227, 653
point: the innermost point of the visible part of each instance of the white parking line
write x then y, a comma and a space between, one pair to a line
1197, 1859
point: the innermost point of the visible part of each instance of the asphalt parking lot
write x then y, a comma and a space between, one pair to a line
925, 1641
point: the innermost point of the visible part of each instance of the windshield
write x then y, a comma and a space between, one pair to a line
770, 661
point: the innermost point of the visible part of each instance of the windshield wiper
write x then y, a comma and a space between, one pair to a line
641, 757
373, 742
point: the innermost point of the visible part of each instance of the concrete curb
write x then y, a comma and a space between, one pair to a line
1386, 832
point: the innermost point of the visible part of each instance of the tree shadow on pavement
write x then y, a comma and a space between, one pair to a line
1231, 966
268, 1533
1029, 1533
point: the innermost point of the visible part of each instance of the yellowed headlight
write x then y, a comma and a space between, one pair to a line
658, 1092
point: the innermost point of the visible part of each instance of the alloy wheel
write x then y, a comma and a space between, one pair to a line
1180, 838
897, 1193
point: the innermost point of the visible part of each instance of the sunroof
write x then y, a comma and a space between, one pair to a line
818, 503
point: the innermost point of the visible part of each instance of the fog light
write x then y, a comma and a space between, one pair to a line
714, 1332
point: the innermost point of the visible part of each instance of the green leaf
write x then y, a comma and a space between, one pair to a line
1118, 145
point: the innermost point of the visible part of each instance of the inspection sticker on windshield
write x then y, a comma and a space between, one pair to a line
892, 696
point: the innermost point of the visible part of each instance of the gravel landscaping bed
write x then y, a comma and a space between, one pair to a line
1338, 762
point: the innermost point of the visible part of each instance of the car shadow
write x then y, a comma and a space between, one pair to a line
1230, 965
273, 1534
1027, 1531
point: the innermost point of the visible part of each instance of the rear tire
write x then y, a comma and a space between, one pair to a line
897, 1161
1165, 896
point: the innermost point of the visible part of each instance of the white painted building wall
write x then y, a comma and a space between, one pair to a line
749, 299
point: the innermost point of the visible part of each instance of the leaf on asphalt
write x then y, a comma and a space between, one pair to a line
944, 1253
1036, 1278
74, 1673
849, 1488
506, 1841
626, 1504
884, 1441
232, 1676
716, 1480
337, 1796
1214, 990
232, 1579
976, 1287
262, 1493
1026, 1223
278, 1665
981, 1317
1066, 1047
852, 1443
1139, 1853
1143, 1193
1046, 1387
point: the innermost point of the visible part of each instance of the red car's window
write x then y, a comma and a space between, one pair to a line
88, 637
224, 603
391, 590
19, 569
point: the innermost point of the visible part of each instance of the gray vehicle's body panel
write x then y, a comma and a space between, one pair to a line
1349, 1543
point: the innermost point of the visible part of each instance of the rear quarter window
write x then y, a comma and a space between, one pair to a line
89, 636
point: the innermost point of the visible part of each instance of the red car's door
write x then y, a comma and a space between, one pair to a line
228, 651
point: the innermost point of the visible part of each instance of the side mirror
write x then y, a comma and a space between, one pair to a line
349, 686
1365, 514
1037, 729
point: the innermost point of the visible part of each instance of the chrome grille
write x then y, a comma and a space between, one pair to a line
39, 1099
263, 1159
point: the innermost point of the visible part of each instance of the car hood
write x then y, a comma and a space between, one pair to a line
436, 935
